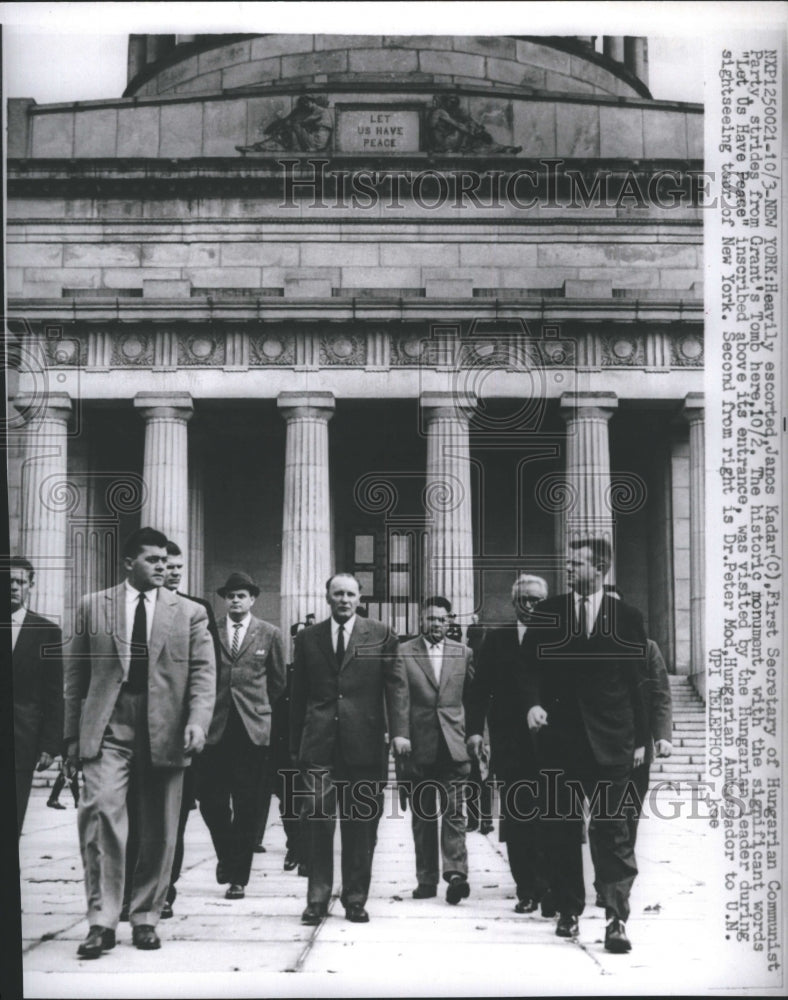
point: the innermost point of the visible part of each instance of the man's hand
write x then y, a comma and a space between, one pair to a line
664, 748
44, 761
640, 756
72, 760
537, 717
193, 739
401, 745
475, 745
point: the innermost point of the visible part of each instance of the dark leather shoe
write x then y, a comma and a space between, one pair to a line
99, 939
166, 911
547, 905
144, 937
471, 824
124, 913
55, 804
313, 914
425, 891
259, 849
526, 905
486, 827
457, 889
303, 870
290, 861
356, 914
221, 875
235, 892
616, 939
568, 925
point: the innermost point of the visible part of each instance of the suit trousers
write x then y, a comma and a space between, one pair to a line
24, 781
437, 797
356, 794
605, 789
523, 834
229, 776
103, 823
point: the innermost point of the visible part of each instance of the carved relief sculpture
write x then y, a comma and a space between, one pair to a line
450, 129
307, 129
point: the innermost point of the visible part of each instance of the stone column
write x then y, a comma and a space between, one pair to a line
306, 528
694, 414
195, 543
165, 468
449, 555
587, 416
47, 498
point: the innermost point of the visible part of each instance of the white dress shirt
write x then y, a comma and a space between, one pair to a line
521, 630
17, 618
244, 623
132, 596
348, 631
435, 653
592, 608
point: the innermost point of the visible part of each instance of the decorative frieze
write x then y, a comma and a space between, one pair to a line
272, 349
342, 349
203, 349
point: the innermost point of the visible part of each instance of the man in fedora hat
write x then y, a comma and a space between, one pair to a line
251, 676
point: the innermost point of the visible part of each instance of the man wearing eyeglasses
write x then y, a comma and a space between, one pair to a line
494, 696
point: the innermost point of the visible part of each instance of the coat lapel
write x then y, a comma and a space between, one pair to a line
452, 656
356, 638
324, 642
115, 623
422, 657
162, 617
221, 628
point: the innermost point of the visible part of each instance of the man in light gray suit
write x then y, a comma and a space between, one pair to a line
140, 686
439, 671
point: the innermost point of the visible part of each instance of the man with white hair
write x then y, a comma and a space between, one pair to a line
495, 695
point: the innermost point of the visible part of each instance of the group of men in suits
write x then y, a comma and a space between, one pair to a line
573, 693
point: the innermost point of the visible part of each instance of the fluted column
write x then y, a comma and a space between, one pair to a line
47, 498
165, 468
694, 413
306, 528
448, 502
589, 513
195, 565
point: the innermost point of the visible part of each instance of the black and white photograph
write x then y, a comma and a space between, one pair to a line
394, 399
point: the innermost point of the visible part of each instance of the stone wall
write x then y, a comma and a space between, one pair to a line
483, 60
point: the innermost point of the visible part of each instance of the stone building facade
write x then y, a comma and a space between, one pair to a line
419, 307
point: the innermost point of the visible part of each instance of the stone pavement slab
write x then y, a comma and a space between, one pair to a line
257, 946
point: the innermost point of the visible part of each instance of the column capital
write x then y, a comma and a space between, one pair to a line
175, 405
458, 405
55, 405
295, 405
693, 408
588, 405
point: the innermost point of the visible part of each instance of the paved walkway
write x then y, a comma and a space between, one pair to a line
257, 946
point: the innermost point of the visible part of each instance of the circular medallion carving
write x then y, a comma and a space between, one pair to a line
64, 352
690, 348
623, 349
411, 347
555, 353
341, 347
272, 348
201, 347
132, 347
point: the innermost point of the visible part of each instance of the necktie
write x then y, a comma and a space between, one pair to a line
435, 660
138, 665
582, 617
236, 640
340, 645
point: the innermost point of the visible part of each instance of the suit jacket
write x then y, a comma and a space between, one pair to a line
181, 672
252, 681
593, 689
217, 649
495, 696
340, 710
38, 690
437, 709
660, 704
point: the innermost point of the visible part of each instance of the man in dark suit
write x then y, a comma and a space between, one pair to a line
233, 767
344, 669
438, 671
36, 645
495, 696
140, 686
584, 692
172, 581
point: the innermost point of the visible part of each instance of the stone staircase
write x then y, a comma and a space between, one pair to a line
688, 760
